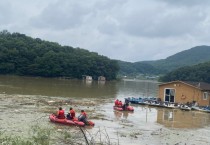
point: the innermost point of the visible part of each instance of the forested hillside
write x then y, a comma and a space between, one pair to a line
195, 55
132, 69
188, 57
23, 55
198, 73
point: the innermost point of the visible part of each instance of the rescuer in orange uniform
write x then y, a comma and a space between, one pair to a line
60, 113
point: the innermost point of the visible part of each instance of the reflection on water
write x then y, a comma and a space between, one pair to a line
182, 119
170, 118
122, 114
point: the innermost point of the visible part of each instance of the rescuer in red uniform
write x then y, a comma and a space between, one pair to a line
60, 113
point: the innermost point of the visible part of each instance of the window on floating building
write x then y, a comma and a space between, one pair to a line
169, 95
205, 95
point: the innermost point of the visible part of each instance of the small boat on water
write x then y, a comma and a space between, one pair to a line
185, 108
202, 109
73, 122
153, 101
139, 100
128, 108
172, 106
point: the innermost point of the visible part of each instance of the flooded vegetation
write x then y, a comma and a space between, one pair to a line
26, 103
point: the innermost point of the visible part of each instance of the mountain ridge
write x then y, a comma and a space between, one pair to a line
189, 57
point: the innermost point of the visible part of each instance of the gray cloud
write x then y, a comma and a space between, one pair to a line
187, 2
163, 21
61, 15
5, 12
129, 30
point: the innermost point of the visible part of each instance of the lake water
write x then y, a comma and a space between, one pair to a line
76, 88
142, 124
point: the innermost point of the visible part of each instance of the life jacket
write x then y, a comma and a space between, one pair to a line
120, 104
61, 114
116, 102
84, 114
72, 112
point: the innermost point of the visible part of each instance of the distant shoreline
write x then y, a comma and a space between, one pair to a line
137, 80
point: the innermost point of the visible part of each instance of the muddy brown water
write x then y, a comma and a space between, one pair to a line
26, 101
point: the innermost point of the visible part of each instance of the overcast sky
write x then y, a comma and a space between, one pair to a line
128, 30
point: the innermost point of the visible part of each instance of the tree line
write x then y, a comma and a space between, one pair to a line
23, 55
137, 68
197, 73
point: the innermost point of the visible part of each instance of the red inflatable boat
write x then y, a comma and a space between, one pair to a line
53, 118
128, 108
74, 121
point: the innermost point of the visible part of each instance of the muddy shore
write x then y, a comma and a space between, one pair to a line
20, 112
